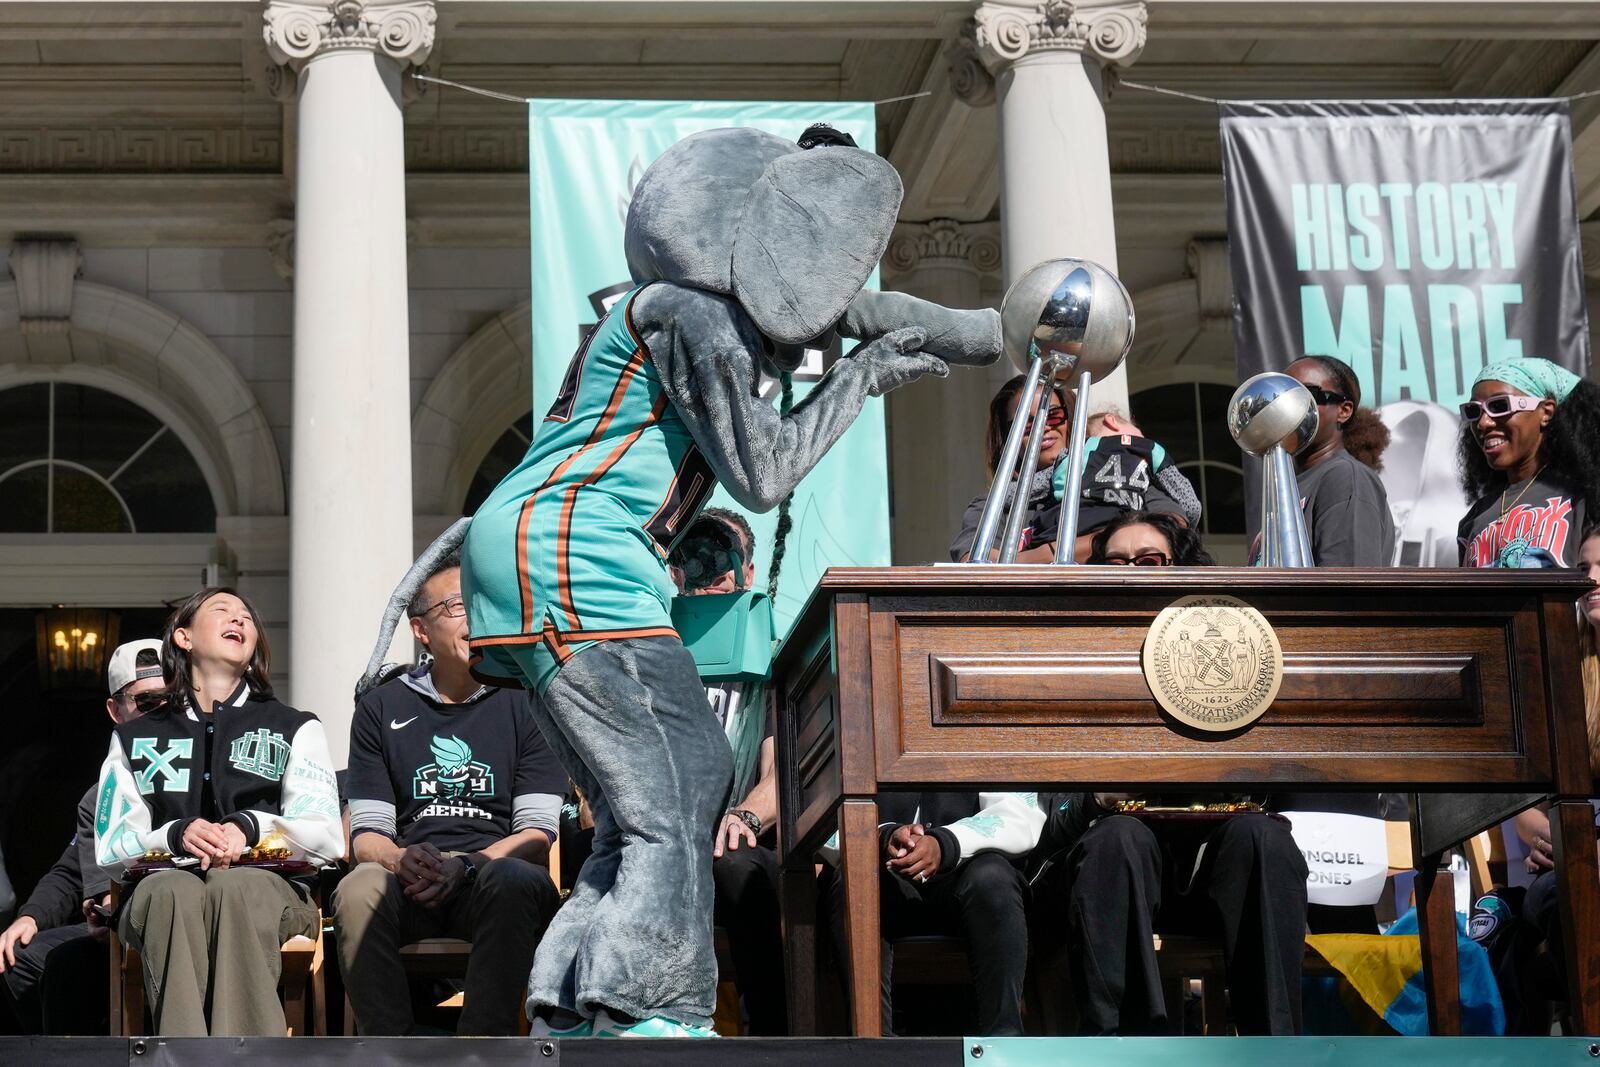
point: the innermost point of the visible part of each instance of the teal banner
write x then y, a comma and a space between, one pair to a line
585, 156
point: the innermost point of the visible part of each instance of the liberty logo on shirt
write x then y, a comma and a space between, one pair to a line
1514, 540
454, 775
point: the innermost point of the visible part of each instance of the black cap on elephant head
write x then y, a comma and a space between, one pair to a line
791, 233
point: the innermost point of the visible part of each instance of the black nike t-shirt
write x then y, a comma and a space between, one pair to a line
459, 776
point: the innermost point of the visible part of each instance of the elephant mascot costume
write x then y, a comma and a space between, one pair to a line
745, 249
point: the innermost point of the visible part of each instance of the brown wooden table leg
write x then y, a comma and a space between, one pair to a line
1572, 834
858, 850
799, 898
1436, 923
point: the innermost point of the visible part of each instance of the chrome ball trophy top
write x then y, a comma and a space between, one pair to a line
1063, 316
1272, 416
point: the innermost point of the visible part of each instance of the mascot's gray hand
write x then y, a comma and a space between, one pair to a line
894, 360
962, 338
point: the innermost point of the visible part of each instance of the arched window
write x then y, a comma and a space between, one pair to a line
504, 454
1190, 420
74, 459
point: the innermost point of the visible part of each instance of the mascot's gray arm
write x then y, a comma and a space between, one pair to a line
405, 592
964, 338
707, 352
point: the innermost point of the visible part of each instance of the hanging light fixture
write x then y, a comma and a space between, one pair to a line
73, 644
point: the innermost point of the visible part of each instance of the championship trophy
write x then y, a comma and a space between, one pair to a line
1273, 417
1063, 316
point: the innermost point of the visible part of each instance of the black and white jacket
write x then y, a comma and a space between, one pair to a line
253, 761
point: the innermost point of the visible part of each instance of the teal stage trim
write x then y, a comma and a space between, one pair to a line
1278, 1051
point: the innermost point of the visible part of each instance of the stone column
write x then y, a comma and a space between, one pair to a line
1048, 61
350, 492
937, 426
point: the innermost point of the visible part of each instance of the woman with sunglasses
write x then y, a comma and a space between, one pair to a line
1148, 539
215, 768
1345, 506
1040, 528
1530, 462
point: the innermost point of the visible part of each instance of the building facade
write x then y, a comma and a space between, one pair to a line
267, 313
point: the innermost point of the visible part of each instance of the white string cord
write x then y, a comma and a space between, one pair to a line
510, 99
1212, 100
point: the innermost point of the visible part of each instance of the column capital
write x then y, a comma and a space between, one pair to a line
973, 246
970, 80
1111, 31
297, 30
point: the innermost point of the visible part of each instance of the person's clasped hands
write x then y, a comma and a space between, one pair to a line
214, 844
428, 876
1541, 855
913, 853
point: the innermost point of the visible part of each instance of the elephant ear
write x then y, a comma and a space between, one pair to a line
813, 228
687, 205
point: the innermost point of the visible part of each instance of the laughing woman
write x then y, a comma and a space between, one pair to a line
1530, 462
216, 767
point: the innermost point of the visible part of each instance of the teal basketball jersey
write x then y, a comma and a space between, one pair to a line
571, 547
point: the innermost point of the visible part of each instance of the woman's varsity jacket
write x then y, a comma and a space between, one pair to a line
253, 761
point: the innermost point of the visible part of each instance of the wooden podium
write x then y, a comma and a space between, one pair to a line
1434, 682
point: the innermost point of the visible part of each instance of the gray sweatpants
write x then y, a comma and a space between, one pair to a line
630, 722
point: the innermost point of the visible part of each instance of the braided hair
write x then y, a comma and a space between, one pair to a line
780, 537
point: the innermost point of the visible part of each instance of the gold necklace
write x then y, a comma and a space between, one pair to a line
1519, 496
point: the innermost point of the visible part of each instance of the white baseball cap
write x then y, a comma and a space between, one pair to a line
124, 669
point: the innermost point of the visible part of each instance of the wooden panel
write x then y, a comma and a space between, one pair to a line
808, 742
1028, 677
1380, 688
1106, 688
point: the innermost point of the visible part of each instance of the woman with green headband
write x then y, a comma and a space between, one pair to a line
1530, 462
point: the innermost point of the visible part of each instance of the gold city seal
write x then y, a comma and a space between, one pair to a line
1213, 662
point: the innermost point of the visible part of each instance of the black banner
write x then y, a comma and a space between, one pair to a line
1416, 241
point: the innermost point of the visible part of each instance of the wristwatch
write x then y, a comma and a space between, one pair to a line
749, 818
469, 870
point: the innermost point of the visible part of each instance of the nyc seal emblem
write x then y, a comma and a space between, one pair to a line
1213, 662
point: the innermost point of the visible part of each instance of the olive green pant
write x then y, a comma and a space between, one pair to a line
212, 941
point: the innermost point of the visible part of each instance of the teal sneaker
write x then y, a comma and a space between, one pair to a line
655, 1026
542, 1028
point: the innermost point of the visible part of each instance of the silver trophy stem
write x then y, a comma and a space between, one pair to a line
1283, 529
1072, 493
989, 521
1030, 463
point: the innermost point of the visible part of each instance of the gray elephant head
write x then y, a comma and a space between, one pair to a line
791, 233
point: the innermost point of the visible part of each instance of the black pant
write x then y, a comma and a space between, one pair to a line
1534, 972
1250, 887
59, 984
986, 900
747, 906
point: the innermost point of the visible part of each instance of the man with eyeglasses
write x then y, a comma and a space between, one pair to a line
454, 803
